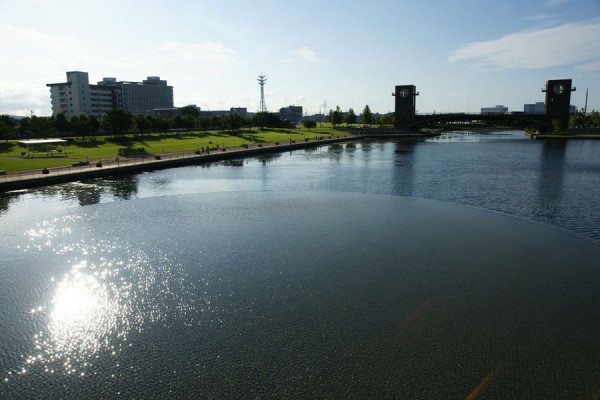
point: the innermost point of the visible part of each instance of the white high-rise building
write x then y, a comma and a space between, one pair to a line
77, 96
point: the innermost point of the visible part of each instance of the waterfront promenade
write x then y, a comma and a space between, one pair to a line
131, 164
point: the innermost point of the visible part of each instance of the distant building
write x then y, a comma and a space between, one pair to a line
537, 108
540, 108
292, 114
241, 111
170, 112
76, 95
141, 97
500, 109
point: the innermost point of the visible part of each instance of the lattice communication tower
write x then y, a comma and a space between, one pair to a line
262, 79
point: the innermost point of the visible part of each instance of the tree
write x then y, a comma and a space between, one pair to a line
190, 110
309, 124
184, 122
94, 124
42, 126
580, 119
142, 123
595, 118
202, 123
350, 117
232, 121
61, 123
367, 116
387, 119
266, 119
557, 126
163, 124
24, 126
7, 127
335, 117
80, 124
117, 122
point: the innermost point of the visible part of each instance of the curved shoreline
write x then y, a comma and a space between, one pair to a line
121, 165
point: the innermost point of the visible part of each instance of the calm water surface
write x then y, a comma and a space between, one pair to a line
351, 270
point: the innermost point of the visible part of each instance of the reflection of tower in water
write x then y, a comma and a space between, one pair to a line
403, 179
550, 183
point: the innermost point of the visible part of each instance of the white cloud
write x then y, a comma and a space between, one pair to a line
24, 48
208, 52
592, 66
309, 55
540, 17
555, 2
33, 58
568, 44
16, 99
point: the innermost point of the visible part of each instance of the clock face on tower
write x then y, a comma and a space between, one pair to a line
404, 93
559, 88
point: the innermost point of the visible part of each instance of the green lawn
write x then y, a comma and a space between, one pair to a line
102, 147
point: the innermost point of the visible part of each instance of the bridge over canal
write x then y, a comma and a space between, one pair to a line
556, 108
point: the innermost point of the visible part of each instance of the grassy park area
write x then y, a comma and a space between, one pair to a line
14, 156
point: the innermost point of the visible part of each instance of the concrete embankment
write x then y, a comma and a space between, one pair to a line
119, 166
572, 133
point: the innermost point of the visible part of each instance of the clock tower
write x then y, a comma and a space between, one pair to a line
405, 105
558, 101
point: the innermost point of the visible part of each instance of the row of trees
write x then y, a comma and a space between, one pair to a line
580, 119
337, 117
118, 122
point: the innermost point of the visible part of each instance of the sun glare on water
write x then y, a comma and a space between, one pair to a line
83, 313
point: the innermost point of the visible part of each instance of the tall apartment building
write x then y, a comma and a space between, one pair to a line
77, 96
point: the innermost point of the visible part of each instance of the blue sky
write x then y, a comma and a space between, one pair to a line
462, 55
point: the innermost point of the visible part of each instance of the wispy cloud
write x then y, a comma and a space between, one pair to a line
309, 55
209, 52
20, 99
26, 46
34, 58
540, 17
592, 66
568, 44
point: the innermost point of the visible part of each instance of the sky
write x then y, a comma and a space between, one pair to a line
461, 55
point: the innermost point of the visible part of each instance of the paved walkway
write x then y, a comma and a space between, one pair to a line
118, 165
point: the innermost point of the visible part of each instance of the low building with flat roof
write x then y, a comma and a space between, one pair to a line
499, 109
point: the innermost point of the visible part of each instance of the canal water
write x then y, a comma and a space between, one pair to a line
465, 265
